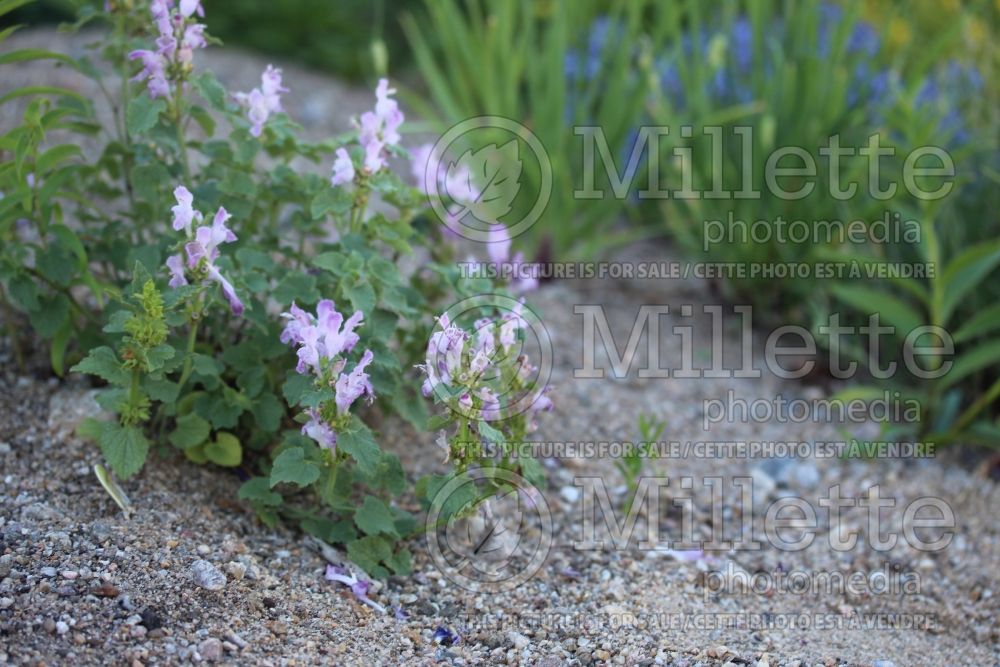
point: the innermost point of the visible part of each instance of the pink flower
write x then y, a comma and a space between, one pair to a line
423, 161
320, 431
379, 129
227, 289
208, 239
270, 85
153, 72
263, 101
176, 265
190, 7
183, 212
343, 168
203, 250
350, 387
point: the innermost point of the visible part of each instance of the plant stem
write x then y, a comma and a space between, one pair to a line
189, 354
179, 125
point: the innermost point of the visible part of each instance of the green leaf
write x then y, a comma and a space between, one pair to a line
161, 389
142, 113
57, 264
52, 315
975, 359
124, 447
331, 200
298, 287
57, 352
191, 430
360, 294
490, 433
981, 323
258, 491
368, 552
296, 387
291, 466
400, 563
373, 517
358, 443
893, 311
267, 411
210, 90
965, 272
226, 450
102, 362
331, 261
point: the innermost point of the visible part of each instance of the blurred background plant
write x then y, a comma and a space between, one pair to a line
341, 37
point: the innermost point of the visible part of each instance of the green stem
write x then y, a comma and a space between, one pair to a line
189, 354
179, 125
970, 413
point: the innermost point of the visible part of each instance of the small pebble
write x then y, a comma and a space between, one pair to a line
210, 649
236, 570
207, 576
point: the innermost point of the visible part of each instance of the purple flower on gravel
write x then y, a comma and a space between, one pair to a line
343, 168
445, 637
357, 585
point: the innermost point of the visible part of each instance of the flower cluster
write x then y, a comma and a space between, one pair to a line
202, 248
263, 101
377, 131
323, 339
179, 36
471, 372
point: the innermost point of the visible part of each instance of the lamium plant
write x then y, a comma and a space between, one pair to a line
244, 307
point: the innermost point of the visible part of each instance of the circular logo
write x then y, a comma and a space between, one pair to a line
499, 545
497, 371
476, 171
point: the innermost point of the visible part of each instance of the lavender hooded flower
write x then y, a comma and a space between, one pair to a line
379, 129
343, 168
178, 37
322, 340
263, 101
203, 247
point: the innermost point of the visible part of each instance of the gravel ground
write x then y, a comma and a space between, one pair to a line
80, 584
